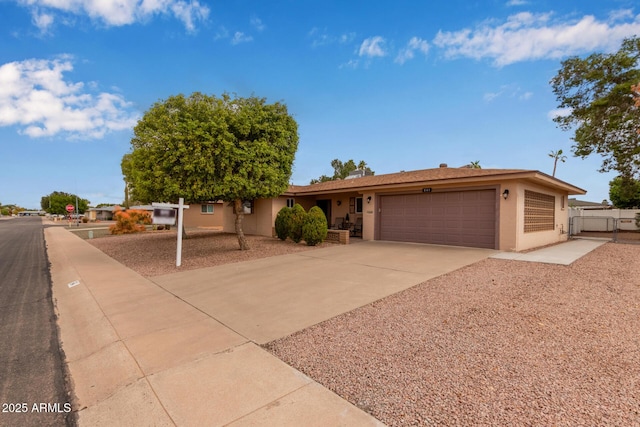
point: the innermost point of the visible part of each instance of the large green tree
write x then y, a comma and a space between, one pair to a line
624, 192
342, 169
596, 94
56, 202
205, 148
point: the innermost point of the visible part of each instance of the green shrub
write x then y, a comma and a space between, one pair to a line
283, 220
295, 222
314, 228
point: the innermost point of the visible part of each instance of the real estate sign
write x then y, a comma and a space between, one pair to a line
164, 216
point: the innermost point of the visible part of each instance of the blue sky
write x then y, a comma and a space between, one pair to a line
402, 85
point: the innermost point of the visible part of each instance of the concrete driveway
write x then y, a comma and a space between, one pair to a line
270, 298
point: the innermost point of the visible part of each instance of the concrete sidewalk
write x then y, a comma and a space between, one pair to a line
563, 253
138, 355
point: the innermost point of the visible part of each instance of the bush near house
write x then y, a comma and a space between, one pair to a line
314, 228
283, 220
295, 222
131, 221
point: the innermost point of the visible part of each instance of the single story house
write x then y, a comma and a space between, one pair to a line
103, 213
505, 209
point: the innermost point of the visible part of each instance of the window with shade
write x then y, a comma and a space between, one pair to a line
539, 212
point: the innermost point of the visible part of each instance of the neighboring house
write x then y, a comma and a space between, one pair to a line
31, 213
582, 204
104, 213
506, 209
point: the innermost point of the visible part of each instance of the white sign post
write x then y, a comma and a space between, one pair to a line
180, 206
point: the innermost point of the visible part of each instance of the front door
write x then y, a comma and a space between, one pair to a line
325, 205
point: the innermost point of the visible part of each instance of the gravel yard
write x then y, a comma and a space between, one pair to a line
495, 343
153, 253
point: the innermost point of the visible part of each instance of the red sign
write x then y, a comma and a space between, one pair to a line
70, 208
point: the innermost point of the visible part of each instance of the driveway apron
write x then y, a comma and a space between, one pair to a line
270, 298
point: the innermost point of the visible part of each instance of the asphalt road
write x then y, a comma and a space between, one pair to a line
32, 380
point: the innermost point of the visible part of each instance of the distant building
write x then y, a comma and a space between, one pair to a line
583, 204
31, 213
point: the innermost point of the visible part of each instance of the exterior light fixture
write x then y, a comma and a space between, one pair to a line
369, 199
339, 202
505, 194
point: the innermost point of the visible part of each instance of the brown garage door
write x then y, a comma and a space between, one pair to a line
460, 218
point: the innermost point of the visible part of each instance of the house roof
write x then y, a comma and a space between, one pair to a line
575, 203
441, 175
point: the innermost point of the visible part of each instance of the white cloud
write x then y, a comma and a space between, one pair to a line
352, 63
221, 33
510, 91
43, 21
372, 47
517, 3
526, 36
35, 97
415, 44
346, 38
118, 12
257, 24
322, 38
240, 37
526, 96
189, 13
490, 96
559, 112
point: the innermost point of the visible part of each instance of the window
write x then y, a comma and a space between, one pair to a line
355, 204
247, 207
539, 212
206, 209
291, 202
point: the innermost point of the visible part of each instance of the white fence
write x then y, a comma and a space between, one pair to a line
602, 220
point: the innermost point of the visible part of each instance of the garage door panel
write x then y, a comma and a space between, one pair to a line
462, 218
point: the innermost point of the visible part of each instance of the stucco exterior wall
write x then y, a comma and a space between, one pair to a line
264, 217
193, 217
260, 222
510, 235
508, 217
531, 240
249, 222
369, 213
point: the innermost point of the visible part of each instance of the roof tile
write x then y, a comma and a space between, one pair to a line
417, 176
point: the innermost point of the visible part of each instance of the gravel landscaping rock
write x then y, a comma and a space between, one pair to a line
153, 253
496, 343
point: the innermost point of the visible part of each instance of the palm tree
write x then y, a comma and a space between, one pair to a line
475, 165
557, 155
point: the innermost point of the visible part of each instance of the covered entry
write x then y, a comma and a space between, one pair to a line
459, 218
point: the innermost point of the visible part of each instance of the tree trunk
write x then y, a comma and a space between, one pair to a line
237, 207
184, 232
